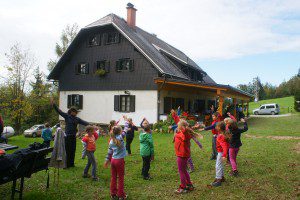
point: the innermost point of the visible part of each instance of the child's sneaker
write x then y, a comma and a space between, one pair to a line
190, 187
114, 197
223, 179
235, 173
217, 183
147, 178
95, 179
181, 190
86, 176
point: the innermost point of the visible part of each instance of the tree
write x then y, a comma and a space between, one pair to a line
20, 65
40, 96
67, 36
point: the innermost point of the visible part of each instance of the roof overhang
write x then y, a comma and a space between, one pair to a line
217, 89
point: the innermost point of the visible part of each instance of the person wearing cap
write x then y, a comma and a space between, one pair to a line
71, 121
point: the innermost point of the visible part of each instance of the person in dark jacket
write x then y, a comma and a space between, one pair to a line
2, 138
235, 143
130, 135
71, 121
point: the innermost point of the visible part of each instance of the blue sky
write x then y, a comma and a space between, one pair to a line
234, 41
270, 67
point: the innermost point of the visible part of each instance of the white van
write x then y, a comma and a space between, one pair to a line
267, 109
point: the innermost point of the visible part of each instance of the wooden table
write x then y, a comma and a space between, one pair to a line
7, 147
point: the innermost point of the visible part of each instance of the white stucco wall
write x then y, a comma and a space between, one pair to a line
98, 106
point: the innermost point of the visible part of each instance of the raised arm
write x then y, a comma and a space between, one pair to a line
61, 113
210, 127
245, 126
82, 122
197, 142
178, 111
142, 123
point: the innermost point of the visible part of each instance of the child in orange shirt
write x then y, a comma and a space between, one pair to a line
89, 141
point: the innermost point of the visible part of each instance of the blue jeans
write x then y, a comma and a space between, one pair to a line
91, 161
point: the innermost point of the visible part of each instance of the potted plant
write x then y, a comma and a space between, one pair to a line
100, 72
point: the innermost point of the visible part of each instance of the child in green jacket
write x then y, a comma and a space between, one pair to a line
146, 148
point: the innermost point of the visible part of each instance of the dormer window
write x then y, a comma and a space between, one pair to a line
82, 68
111, 38
94, 40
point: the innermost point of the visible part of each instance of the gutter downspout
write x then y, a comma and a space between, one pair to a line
158, 96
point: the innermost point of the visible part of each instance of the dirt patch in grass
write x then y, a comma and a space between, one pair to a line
297, 149
273, 137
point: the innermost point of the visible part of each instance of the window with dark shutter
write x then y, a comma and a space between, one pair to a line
82, 68
111, 38
124, 103
94, 40
125, 64
103, 64
75, 100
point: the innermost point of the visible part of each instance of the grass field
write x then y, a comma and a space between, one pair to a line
269, 169
286, 104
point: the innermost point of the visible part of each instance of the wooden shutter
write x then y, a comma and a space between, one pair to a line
131, 65
105, 36
69, 101
80, 101
87, 68
117, 103
107, 66
95, 67
118, 65
132, 103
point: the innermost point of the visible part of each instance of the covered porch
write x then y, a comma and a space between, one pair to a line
197, 98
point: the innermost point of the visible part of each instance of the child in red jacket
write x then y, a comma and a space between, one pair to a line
222, 149
182, 150
89, 141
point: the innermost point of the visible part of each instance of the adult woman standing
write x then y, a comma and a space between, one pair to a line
71, 121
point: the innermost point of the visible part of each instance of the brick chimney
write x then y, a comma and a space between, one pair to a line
131, 12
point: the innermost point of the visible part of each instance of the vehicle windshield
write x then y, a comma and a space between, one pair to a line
34, 127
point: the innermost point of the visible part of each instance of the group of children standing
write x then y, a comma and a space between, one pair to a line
117, 152
225, 144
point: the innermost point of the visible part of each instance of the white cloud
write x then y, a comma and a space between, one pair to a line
204, 29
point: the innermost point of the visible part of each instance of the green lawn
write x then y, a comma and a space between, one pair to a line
286, 104
269, 169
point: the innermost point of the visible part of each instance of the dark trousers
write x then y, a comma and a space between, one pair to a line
128, 144
46, 143
146, 166
214, 147
70, 143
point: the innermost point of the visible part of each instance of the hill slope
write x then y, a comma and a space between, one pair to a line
286, 104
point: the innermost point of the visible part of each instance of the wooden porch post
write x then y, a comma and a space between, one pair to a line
220, 108
247, 108
243, 105
234, 104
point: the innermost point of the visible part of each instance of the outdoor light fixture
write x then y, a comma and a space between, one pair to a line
127, 92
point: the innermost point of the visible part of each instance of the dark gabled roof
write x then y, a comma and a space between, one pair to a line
154, 49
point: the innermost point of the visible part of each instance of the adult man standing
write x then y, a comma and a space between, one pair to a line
71, 121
